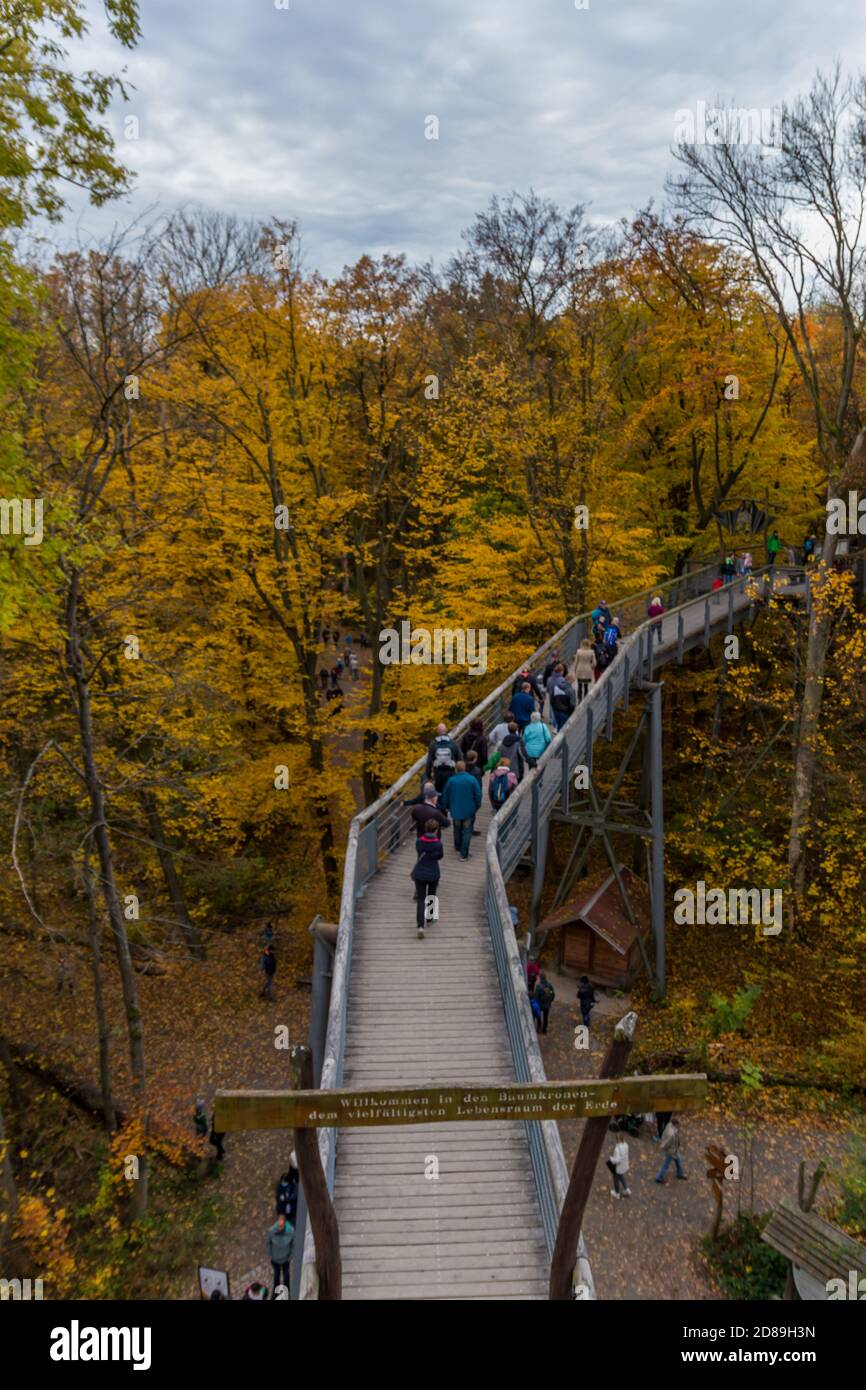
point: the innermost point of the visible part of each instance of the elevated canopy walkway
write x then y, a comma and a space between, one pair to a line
468, 1211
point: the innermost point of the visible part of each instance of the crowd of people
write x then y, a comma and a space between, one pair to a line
540, 704
347, 659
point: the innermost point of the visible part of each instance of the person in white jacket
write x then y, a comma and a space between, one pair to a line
618, 1165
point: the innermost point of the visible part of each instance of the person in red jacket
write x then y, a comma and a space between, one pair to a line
655, 608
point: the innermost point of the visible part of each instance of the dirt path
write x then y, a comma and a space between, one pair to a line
647, 1246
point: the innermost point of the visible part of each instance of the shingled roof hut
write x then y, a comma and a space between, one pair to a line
596, 937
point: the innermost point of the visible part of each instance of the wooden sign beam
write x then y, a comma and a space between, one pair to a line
421, 1105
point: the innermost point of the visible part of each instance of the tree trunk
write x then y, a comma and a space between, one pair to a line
108, 1112
189, 932
108, 885
806, 756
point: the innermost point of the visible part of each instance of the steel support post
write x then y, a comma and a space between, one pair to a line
657, 886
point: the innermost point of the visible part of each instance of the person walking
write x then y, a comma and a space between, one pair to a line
287, 1195
254, 1293
545, 994
601, 659
532, 973
612, 634
560, 692
809, 547
216, 1138
323, 678
280, 1242
601, 613
462, 798
536, 1012
670, 1142
523, 704
422, 812
729, 569
747, 562
425, 873
774, 545
268, 964
655, 609
501, 785
584, 669
475, 769
354, 667
474, 740
618, 1164
536, 737
497, 734
199, 1119
662, 1118
586, 998
511, 749
442, 757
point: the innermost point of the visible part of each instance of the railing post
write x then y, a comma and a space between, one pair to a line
564, 785
680, 637
609, 710
589, 738
627, 678
650, 656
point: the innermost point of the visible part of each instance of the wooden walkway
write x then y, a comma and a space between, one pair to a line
427, 1011
431, 1011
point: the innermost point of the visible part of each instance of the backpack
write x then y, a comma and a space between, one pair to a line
545, 994
499, 789
611, 637
443, 757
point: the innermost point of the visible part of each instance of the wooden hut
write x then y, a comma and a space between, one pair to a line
596, 937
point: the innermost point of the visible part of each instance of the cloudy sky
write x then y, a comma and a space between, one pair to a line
319, 111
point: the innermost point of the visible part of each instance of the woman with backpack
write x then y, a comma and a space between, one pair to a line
536, 737
501, 785
512, 750
425, 874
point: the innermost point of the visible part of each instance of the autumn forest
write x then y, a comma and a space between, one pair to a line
236, 454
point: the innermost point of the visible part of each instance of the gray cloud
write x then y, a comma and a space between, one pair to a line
317, 113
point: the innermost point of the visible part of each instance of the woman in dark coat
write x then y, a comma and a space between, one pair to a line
426, 871
475, 738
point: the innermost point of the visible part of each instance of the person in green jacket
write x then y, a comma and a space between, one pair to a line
281, 1240
774, 545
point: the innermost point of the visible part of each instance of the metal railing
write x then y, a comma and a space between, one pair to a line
379, 830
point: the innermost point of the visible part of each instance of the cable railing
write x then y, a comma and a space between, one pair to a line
379, 830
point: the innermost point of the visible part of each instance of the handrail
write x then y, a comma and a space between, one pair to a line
379, 829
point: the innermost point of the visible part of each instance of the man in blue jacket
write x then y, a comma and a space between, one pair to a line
461, 799
522, 704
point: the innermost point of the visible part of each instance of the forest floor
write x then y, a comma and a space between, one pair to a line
648, 1246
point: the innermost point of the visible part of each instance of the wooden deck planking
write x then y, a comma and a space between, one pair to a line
422, 1011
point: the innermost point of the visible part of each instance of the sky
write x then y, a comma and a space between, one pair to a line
321, 112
